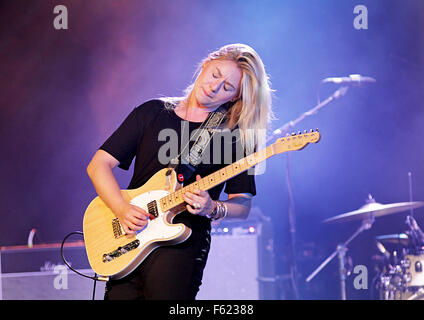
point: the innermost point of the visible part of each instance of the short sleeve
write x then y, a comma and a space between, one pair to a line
122, 144
242, 183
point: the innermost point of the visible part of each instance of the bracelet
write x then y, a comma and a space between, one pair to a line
220, 212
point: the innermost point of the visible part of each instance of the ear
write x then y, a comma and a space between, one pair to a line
235, 99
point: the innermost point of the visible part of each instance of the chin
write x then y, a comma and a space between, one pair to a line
204, 101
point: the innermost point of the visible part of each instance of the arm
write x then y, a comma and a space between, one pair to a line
100, 172
238, 204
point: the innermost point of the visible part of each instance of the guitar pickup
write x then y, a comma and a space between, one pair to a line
152, 207
120, 251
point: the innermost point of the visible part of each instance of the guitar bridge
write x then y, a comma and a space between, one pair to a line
120, 251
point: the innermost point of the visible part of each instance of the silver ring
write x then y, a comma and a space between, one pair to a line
197, 205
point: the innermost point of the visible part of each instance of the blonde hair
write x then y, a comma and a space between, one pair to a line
252, 111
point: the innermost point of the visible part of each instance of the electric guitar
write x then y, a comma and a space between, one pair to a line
114, 254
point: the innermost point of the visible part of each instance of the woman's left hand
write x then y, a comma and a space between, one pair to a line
198, 202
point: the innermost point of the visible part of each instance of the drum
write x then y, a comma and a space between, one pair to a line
403, 280
412, 266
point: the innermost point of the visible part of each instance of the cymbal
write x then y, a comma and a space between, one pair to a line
398, 238
376, 209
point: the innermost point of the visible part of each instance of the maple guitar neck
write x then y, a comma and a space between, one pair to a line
175, 198
288, 143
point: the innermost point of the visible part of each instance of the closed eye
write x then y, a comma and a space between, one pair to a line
216, 76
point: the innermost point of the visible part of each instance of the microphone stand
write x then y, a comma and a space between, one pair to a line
289, 125
285, 129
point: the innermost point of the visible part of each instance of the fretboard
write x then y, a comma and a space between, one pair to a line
175, 198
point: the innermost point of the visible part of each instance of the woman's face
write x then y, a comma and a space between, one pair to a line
218, 83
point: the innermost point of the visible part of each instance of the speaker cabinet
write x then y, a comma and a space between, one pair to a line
240, 265
39, 273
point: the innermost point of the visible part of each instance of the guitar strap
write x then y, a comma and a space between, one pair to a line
202, 137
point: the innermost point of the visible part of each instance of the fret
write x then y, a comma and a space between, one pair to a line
235, 167
177, 196
242, 164
202, 184
162, 203
195, 185
229, 170
217, 177
222, 173
170, 199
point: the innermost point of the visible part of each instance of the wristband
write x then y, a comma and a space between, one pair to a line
220, 211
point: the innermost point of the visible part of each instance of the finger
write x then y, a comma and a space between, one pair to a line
127, 230
138, 222
191, 209
196, 206
141, 212
188, 198
198, 177
135, 217
195, 198
141, 216
137, 225
201, 193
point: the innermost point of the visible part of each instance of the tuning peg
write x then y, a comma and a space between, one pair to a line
311, 130
317, 130
293, 134
287, 134
299, 132
305, 131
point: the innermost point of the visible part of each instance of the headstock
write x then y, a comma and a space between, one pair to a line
296, 141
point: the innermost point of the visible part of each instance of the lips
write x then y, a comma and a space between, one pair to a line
205, 93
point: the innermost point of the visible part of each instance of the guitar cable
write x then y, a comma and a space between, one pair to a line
95, 278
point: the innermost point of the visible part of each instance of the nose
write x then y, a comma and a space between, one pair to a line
215, 85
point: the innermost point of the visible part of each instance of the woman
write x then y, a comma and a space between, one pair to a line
233, 76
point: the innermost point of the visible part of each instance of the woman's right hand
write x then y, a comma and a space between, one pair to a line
132, 218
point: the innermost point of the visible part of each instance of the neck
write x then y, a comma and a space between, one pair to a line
191, 110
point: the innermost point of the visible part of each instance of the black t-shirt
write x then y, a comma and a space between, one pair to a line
152, 134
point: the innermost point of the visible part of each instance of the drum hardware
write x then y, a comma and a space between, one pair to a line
404, 280
374, 208
341, 254
401, 239
393, 280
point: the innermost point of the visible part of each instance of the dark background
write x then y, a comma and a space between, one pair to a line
64, 91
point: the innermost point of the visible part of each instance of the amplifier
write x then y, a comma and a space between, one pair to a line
240, 264
39, 273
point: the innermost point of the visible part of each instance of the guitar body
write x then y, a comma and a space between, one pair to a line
112, 253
